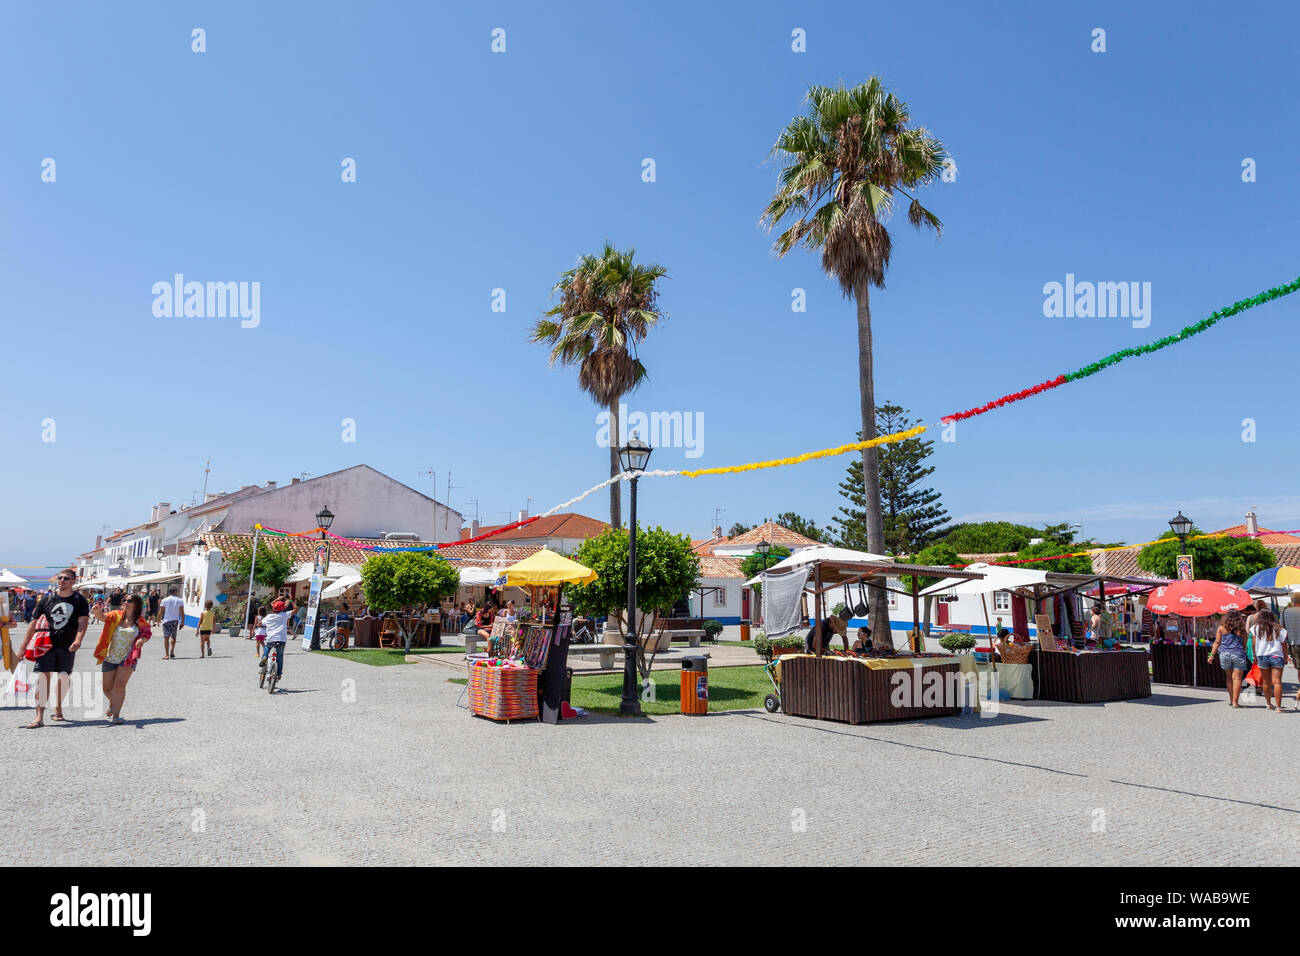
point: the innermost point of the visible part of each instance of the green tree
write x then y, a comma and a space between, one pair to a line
990, 537
1081, 564
666, 571
275, 562
803, 526
407, 579
1213, 559
607, 305
738, 529
843, 166
911, 513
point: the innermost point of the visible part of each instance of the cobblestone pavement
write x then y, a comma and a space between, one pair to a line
380, 765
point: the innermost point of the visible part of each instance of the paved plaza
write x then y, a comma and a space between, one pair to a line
353, 764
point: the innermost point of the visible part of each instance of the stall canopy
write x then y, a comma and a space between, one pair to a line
475, 577
824, 555
341, 585
545, 568
993, 577
303, 572
8, 579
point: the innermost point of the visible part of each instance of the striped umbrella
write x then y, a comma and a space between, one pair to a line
1283, 576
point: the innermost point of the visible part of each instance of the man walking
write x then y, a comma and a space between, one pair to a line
173, 619
1291, 622
154, 604
68, 613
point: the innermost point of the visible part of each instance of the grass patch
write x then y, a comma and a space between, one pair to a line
730, 688
457, 680
386, 656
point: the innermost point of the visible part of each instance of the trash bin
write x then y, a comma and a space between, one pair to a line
695, 685
744, 630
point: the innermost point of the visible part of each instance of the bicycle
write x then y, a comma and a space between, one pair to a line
583, 633
270, 667
331, 639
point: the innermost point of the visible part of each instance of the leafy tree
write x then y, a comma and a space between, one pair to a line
911, 514
402, 579
666, 570
1046, 549
1213, 559
275, 562
738, 529
843, 165
607, 306
990, 537
803, 526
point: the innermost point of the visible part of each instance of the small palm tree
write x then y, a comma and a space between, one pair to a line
843, 164
607, 306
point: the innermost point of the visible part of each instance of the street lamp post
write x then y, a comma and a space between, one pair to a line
1182, 527
324, 518
634, 456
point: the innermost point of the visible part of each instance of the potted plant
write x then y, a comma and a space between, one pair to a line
957, 643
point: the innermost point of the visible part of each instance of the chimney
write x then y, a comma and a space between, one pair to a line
473, 528
523, 514
1252, 523
270, 484
99, 541
294, 482
717, 532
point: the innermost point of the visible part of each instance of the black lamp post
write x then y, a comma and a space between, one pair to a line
1182, 527
324, 518
634, 455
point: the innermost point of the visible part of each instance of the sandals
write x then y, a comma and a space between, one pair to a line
117, 720
58, 717
33, 725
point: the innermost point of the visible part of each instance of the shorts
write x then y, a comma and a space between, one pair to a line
1231, 661
1270, 661
170, 628
57, 660
205, 633
105, 667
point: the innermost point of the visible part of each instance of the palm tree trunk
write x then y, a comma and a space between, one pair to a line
616, 489
870, 458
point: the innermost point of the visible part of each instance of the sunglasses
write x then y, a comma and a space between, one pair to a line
63, 577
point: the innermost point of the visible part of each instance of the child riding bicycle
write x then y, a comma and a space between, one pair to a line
277, 632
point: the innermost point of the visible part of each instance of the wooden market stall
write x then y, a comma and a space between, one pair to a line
525, 672
860, 688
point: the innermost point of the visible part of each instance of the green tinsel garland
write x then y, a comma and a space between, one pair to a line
1094, 367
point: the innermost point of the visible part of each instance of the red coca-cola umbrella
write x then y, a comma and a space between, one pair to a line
1197, 598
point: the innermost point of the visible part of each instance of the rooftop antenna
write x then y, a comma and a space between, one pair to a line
304, 475
474, 502
207, 467
717, 513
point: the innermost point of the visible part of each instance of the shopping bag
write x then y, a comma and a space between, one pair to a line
19, 683
1253, 677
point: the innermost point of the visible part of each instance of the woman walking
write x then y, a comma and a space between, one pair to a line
1269, 637
1230, 643
118, 651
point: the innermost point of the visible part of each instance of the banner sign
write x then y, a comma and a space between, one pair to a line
1184, 566
313, 602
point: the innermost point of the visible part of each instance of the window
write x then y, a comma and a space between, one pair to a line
720, 597
1002, 601
892, 603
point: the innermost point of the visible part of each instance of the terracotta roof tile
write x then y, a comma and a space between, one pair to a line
564, 525
1268, 536
479, 553
719, 566
774, 533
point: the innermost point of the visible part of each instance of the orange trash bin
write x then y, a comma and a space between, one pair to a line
695, 685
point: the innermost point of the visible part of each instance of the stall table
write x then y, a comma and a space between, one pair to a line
863, 690
1090, 678
1173, 663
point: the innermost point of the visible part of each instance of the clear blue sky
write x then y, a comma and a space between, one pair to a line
479, 171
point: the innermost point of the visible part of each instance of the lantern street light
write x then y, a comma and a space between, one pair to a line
324, 518
1182, 527
634, 456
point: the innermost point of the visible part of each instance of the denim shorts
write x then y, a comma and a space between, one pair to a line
1269, 661
1231, 661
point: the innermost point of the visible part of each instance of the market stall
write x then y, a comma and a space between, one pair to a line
883, 683
1180, 649
525, 672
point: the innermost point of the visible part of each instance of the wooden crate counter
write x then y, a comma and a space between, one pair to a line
1090, 678
1172, 664
867, 690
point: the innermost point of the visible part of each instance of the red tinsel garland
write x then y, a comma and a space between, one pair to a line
1005, 400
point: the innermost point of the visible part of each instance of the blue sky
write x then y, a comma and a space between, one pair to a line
479, 170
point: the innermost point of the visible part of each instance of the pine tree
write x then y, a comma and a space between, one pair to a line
912, 514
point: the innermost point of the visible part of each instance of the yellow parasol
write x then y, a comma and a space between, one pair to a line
546, 569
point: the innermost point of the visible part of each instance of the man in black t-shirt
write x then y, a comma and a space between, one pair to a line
68, 612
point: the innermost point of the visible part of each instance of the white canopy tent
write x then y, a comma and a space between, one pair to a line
303, 572
808, 556
472, 577
341, 585
9, 580
996, 578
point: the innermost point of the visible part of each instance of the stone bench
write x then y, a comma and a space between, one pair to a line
606, 652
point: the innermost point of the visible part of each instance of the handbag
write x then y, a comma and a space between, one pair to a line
40, 642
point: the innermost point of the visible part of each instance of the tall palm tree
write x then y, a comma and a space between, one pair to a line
607, 306
843, 166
